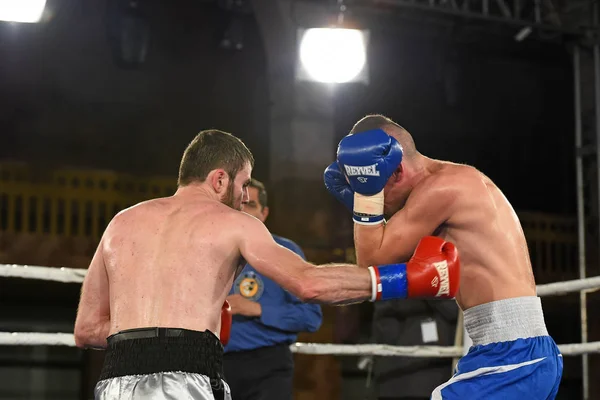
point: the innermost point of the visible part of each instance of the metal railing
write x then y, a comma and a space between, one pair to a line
67, 202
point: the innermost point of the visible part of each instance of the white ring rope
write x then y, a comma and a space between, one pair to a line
76, 275
574, 349
67, 339
65, 275
36, 339
377, 350
558, 288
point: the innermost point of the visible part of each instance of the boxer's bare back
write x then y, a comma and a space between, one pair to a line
170, 262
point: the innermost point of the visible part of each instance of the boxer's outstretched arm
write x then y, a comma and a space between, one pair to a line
427, 208
93, 314
331, 284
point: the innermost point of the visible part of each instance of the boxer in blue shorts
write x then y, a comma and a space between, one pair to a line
397, 196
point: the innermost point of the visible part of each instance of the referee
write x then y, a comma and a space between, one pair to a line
266, 320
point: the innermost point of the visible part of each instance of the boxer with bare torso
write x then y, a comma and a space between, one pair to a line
154, 292
380, 174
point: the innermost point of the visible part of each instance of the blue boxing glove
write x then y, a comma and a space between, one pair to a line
368, 160
336, 183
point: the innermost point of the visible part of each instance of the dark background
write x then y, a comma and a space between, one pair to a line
482, 99
467, 94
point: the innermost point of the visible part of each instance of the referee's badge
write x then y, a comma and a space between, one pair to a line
249, 285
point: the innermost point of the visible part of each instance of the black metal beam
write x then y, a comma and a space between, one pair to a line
452, 8
545, 22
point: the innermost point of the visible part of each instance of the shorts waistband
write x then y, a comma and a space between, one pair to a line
151, 350
505, 320
144, 333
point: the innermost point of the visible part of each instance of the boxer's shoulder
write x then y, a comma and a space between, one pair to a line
241, 223
443, 182
126, 222
449, 187
472, 184
455, 178
451, 170
140, 209
125, 216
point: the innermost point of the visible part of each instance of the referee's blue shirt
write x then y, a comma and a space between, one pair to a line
283, 314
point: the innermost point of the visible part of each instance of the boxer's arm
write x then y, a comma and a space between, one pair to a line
332, 284
427, 208
292, 315
92, 324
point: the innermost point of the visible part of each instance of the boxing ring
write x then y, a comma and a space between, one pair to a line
71, 275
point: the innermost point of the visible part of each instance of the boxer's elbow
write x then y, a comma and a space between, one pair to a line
364, 261
366, 256
302, 286
91, 335
85, 341
307, 292
311, 288
82, 337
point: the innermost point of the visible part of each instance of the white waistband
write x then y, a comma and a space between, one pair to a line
505, 320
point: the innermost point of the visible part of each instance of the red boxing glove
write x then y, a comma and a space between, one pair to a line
226, 317
434, 269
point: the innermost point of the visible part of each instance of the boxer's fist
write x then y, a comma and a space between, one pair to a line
368, 159
434, 269
432, 272
226, 317
336, 183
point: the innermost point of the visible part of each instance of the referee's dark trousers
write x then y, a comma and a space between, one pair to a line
265, 373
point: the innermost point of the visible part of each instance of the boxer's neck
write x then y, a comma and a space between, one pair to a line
418, 168
197, 190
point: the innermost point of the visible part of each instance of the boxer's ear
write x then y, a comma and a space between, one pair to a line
219, 180
398, 173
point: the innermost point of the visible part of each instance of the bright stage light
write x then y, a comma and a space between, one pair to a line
21, 10
333, 55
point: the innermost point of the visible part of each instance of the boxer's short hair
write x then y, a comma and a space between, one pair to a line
378, 121
373, 121
262, 191
212, 149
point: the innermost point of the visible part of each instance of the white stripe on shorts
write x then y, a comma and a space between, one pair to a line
437, 393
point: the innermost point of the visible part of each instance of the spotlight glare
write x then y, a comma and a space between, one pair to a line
333, 55
22, 10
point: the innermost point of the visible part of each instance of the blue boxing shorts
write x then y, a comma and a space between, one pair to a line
512, 356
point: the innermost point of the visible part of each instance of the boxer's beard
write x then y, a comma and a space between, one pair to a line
228, 199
